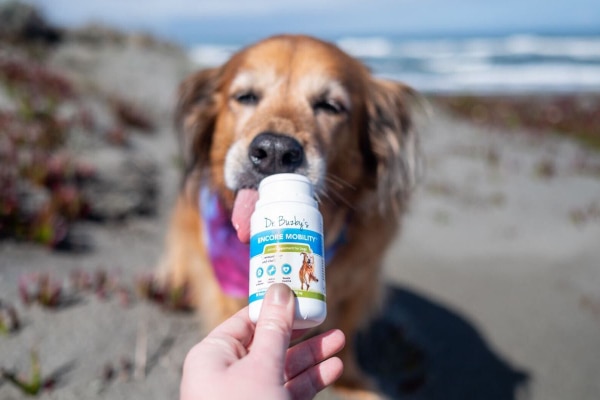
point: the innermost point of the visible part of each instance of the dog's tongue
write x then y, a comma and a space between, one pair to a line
243, 208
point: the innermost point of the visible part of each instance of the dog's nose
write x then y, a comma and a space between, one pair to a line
272, 153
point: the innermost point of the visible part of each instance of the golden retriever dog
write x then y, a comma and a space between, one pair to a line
307, 271
291, 103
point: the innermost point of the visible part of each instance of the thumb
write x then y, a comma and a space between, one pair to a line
274, 327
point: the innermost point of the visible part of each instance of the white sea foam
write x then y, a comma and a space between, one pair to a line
545, 78
367, 47
575, 47
211, 55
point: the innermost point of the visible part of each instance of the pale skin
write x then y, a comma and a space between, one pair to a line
240, 360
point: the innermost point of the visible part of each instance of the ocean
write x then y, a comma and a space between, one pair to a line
478, 65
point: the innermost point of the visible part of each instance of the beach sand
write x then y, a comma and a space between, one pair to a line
493, 286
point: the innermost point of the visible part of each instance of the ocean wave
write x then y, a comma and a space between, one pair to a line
379, 47
375, 47
211, 55
574, 47
553, 77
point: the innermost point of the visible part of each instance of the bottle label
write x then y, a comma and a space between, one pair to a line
293, 256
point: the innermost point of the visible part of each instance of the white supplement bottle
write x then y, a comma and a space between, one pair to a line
286, 246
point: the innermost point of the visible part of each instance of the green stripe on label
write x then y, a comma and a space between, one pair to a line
286, 248
309, 295
298, 293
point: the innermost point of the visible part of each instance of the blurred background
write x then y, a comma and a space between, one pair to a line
434, 45
493, 287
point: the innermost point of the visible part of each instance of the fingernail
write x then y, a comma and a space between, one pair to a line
278, 294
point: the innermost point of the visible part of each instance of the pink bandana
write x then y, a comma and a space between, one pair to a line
229, 257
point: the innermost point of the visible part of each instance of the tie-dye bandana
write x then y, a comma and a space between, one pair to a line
229, 257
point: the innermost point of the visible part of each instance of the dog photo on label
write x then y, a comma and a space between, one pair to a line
292, 103
307, 271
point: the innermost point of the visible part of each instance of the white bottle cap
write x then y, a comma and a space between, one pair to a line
286, 187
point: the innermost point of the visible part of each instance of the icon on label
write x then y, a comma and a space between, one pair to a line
271, 270
259, 272
286, 269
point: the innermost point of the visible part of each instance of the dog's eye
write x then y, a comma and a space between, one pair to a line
329, 106
247, 98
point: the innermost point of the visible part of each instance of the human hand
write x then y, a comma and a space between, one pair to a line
239, 360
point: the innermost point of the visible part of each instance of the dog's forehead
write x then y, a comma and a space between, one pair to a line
294, 61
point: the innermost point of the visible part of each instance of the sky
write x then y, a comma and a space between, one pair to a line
189, 21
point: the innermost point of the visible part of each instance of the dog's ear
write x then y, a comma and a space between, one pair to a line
391, 151
195, 117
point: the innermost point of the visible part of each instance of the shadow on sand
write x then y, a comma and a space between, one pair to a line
419, 349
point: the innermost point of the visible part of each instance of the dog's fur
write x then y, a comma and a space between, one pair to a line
360, 152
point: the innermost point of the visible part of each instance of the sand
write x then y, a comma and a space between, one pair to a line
493, 284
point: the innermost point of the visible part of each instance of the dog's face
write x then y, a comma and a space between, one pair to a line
287, 112
308, 260
297, 104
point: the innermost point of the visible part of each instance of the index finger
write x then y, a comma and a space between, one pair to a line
237, 326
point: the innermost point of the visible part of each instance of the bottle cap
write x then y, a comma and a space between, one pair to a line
286, 187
